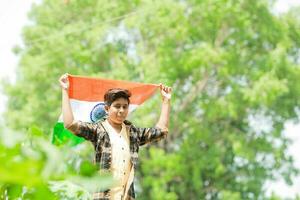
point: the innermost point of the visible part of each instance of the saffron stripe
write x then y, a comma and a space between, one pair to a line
93, 89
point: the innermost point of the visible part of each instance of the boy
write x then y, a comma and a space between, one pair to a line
116, 140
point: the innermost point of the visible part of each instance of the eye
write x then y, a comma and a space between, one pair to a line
117, 106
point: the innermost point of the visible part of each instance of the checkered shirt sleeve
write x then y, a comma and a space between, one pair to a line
87, 130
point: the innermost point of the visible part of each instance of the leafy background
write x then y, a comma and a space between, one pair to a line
233, 66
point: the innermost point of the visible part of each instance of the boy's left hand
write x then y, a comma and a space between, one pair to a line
165, 91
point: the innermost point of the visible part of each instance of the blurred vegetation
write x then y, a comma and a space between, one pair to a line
234, 69
32, 168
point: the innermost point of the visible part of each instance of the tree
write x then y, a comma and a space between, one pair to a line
233, 65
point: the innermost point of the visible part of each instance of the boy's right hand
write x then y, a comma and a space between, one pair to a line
64, 81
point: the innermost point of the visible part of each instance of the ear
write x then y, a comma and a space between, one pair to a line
106, 107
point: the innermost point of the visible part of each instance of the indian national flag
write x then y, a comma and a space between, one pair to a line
87, 101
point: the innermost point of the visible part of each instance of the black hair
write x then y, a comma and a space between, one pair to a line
113, 94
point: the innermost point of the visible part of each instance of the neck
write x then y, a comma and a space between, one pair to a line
116, 126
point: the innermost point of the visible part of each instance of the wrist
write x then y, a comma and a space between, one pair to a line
64, 90
166, 101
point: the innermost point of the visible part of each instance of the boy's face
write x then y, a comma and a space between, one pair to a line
118, 110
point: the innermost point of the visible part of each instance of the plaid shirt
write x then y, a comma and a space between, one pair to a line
96, 133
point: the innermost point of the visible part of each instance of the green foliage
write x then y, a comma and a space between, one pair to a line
32, 168
230, 63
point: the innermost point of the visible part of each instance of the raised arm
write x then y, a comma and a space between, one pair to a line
87, 130
163, 122
66, 106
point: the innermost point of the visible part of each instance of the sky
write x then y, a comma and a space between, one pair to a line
13, 16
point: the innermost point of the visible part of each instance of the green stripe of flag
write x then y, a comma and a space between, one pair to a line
63, 136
